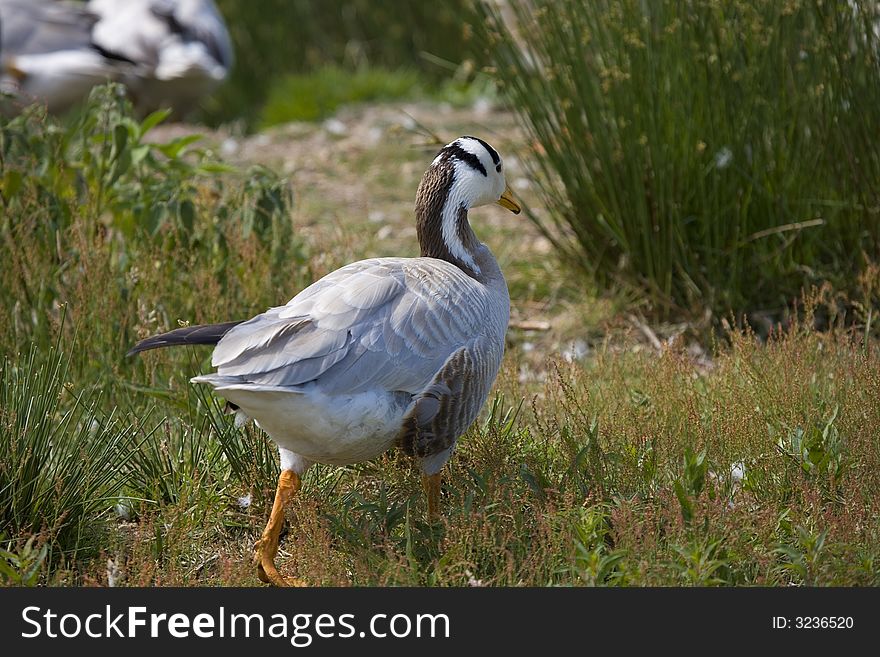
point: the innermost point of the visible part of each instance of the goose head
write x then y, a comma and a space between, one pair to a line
466, 173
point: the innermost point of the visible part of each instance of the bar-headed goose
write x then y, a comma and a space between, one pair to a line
382, 352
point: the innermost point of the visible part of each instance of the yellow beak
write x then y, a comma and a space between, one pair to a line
506, 201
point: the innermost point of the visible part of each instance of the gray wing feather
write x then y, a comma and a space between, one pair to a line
388, 322
446, 408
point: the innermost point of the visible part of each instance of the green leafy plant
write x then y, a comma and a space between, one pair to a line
21, 567
596, 563
105, 221
803, 556
702, 563
689, 486
95, 196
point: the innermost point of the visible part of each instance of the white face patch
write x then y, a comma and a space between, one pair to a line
493, 184
461, 195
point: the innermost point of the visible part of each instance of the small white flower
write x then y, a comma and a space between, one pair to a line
737, 471
473, 581
229, 147
723, 158
123, 509
244, 501
114, 573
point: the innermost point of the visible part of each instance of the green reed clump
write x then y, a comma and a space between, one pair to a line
715, 155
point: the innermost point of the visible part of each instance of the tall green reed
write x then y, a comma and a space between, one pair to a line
715, 155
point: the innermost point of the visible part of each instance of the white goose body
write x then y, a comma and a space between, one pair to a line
166, 52
387, 325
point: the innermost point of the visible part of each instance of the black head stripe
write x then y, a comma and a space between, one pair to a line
456, 152
495, 157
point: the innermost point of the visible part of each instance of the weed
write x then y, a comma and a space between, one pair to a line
21, 567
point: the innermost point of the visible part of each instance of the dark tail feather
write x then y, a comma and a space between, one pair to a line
202, 334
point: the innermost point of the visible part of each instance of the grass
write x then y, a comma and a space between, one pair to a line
754, 464
62, 458
714, 156
319, 93
635, 470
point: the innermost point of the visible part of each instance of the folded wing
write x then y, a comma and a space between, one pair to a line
388, 323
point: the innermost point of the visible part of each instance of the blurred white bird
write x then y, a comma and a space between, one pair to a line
48, 55
181, 47
168, 53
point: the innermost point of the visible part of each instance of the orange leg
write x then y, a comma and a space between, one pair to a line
267, 546
431, 484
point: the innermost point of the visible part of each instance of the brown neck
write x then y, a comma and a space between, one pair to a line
435, 204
